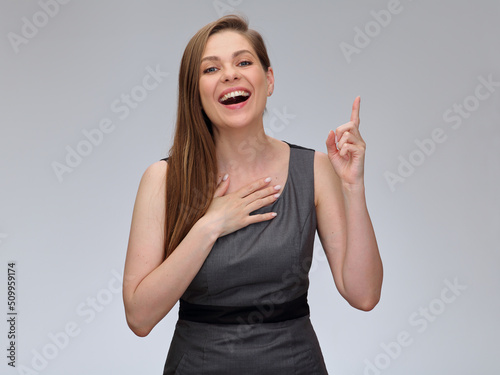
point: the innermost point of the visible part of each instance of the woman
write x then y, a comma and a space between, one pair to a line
226, 224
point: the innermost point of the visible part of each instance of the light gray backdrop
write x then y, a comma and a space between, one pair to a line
88, 99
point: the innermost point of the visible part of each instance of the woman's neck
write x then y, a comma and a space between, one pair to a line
243, 150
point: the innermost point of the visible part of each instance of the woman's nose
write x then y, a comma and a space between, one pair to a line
230, 74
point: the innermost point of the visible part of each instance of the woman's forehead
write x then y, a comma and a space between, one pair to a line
223, 44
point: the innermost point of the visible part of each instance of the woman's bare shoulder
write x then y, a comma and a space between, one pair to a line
157, 170
326, 180
154, 179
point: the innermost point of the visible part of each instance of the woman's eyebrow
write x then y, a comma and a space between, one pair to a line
235, 54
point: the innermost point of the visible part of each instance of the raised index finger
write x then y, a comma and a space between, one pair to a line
355, 111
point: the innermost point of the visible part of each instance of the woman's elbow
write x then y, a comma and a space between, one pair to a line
141, 321
135, 320
367, 304
139, 329
141, 332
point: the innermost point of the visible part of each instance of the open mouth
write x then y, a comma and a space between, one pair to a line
234, 97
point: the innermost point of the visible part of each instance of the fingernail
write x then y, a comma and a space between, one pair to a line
267, 179
277, 187
273, 214
277, 195
225, 177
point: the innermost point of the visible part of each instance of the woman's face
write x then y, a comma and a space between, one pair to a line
233, 85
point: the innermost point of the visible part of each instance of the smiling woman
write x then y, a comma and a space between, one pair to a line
230, 234
234, 77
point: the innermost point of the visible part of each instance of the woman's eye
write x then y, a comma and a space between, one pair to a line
245, 63
210, 70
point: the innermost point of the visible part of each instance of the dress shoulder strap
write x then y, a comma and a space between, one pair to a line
301, 174
299, 147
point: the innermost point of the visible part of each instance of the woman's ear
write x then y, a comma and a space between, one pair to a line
270, 81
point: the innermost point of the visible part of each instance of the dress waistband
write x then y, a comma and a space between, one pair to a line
254, 314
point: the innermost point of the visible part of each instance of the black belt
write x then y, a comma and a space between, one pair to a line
254, 314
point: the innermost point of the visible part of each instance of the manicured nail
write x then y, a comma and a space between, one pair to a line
273, 214
225, 177
267, 179
277, 187
277, 195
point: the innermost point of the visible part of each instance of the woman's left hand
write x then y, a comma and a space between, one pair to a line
348, 155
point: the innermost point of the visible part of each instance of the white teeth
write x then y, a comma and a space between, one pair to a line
233, 94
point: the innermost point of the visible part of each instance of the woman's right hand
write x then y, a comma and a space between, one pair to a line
231, 212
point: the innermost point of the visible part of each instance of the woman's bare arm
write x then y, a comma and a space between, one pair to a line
152, 285
348, 238
344, 225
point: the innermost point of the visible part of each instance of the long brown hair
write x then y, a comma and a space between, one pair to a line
192, 164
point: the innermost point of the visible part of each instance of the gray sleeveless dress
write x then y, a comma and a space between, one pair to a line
264, 265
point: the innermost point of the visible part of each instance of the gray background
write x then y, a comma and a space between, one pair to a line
437, 226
